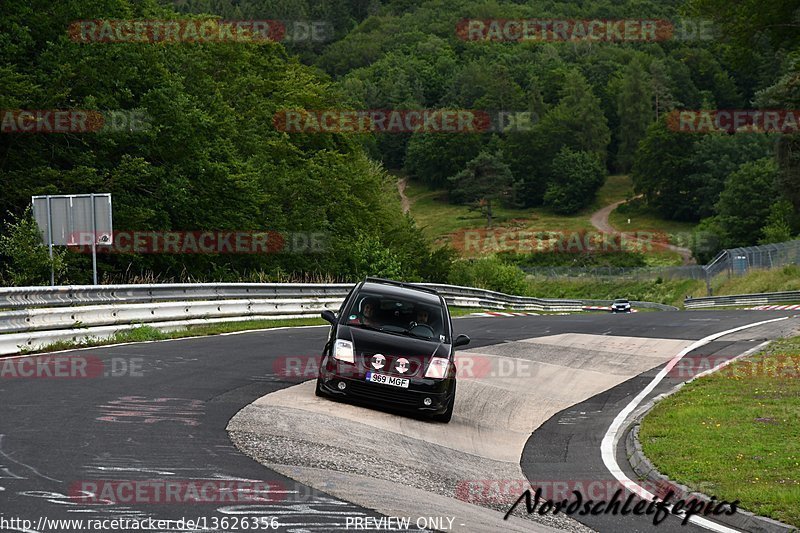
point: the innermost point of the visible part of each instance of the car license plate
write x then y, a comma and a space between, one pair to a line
387, 380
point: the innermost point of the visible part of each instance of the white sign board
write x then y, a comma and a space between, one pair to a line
75, 220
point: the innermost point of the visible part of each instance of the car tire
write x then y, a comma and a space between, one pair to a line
448, 414
318, 390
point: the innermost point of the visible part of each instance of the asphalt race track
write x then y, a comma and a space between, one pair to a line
158, 412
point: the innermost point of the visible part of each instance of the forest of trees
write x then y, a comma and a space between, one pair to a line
209, 160
610, 100
212, 159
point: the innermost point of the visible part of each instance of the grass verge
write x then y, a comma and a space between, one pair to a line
644, 218
755, 281
670, 292
146, 333
736, 434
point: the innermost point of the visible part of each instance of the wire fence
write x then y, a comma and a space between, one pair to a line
739, 261
733, 262
631, 273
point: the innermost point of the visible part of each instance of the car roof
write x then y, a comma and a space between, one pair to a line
399, 291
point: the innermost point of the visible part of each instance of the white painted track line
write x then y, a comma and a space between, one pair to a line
609, 444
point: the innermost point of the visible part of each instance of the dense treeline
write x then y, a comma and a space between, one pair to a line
600, 99
210, 158
744, 188
592, 98
611, 101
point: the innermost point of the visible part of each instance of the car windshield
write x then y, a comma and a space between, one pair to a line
398, 315
618, 301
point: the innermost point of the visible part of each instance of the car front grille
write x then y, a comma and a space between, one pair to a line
384, 393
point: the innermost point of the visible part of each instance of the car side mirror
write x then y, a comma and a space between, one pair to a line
461, 340
329, 316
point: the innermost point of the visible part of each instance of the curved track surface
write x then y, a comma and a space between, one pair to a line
167, 421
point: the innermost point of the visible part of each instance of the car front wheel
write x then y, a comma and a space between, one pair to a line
318, 390
448, 414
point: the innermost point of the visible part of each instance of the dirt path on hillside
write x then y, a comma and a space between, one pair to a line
600, 221
401, 188
600, 217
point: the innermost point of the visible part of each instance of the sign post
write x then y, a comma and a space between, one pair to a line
74, 220
50, 243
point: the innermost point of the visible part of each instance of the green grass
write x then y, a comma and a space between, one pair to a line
670, 292
616, 188
456, 312
663, 258
464, 311
439, 220
736, 434
786, 278
776, 280
645, 219
146, 333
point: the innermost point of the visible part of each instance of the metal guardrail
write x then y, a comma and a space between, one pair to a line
69, 295
742, 299
472, 297
77, 295
634, 304
39, 316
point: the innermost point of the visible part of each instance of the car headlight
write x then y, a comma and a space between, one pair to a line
343, 351
437, 368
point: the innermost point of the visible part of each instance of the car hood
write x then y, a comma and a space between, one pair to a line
380, 351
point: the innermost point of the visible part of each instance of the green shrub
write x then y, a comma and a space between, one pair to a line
489, 273
24, 260
551, 259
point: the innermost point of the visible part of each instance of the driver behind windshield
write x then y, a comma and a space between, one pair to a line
422, 317
426, 323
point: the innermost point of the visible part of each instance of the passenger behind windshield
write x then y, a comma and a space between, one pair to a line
369, 307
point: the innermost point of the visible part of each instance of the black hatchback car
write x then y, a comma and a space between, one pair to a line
391, 345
